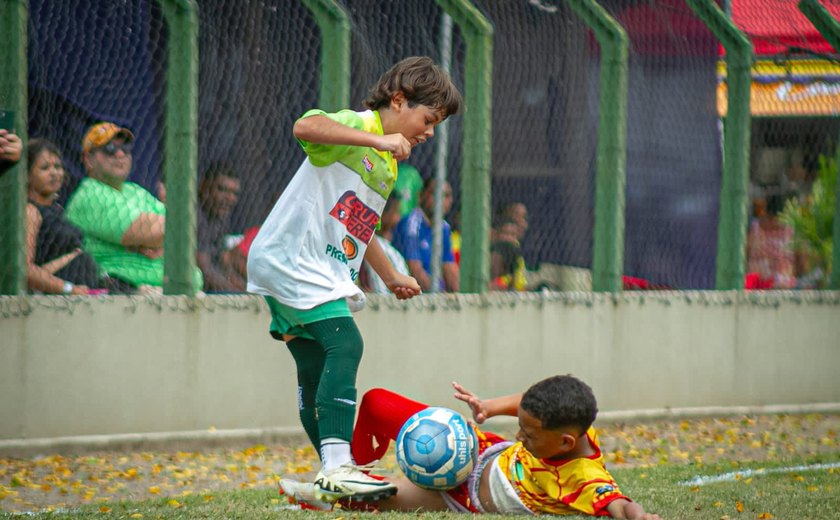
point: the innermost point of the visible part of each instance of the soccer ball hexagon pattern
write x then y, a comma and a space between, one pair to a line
437, 448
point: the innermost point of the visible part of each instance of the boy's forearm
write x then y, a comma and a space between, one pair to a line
378, 260
504, 405
321, 129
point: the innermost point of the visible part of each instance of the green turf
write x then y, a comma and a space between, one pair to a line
812, 494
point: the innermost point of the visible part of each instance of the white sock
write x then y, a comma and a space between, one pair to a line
334, 453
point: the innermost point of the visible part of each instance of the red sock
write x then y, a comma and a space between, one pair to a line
381, 415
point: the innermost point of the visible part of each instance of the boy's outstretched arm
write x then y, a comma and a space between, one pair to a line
621, 508
404, 287
323, 130
485, 409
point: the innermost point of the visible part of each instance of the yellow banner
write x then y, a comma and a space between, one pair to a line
791, 88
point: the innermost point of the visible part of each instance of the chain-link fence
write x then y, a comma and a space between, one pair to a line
94, 60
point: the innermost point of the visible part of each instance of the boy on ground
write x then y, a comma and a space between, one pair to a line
307, 255
555, 467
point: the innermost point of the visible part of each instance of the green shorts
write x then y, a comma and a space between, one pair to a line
288, 320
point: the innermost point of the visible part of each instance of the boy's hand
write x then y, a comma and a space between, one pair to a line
404, 287
475, 404
621, 508
397, 144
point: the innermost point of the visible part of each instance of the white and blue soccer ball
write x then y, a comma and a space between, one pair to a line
436, 448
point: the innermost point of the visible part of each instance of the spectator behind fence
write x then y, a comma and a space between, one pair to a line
123, 224
370, 281
408, 186
770, 255
517, 213
55, 261
10, 149
507, 267
218, 193
413, 238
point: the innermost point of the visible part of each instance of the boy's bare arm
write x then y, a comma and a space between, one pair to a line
484, 409
404, 287
323, 130
621, 508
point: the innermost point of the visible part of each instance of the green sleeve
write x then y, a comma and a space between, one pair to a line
324, 154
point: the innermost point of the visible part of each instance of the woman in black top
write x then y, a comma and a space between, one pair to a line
55, 261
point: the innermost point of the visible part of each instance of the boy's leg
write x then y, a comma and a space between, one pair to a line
342, 344
309, 358
381, 416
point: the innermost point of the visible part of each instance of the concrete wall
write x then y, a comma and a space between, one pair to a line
127, 365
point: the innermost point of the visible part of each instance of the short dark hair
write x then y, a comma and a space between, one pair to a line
219, 169
35, 146
421, 81
561, 401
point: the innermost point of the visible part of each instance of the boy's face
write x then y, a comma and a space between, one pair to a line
417, 124
543, 443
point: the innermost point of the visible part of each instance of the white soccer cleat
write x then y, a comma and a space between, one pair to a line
302, 494
350, 482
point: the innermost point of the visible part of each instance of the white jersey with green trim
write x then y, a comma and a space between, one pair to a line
310, 248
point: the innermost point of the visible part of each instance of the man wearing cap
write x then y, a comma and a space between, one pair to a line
123, 224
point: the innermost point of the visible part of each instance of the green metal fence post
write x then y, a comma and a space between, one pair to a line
830, 29
13, 96
610, 176
732, 223
334, 23
181, 146
476, 146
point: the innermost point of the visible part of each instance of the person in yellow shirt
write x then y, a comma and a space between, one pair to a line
555, 466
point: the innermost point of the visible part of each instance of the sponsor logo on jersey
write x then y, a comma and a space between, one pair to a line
350, 247
359, 218
367, 163
603, 490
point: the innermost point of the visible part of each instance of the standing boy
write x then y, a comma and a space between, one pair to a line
307, 255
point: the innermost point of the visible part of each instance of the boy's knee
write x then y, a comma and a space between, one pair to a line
377, 396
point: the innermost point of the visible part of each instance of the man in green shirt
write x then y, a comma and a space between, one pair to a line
123, 224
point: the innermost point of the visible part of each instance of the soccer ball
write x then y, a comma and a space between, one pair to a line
437, 448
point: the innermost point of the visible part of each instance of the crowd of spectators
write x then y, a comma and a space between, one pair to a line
111, 237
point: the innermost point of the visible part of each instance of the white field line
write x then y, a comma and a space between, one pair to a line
747, 473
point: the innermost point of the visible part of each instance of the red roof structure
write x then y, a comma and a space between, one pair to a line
670, 27
778, 26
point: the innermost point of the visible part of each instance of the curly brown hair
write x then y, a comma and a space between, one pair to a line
421, 82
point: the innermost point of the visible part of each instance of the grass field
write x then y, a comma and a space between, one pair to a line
762, 467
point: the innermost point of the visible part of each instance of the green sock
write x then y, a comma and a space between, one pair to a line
342, 346
309, 358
